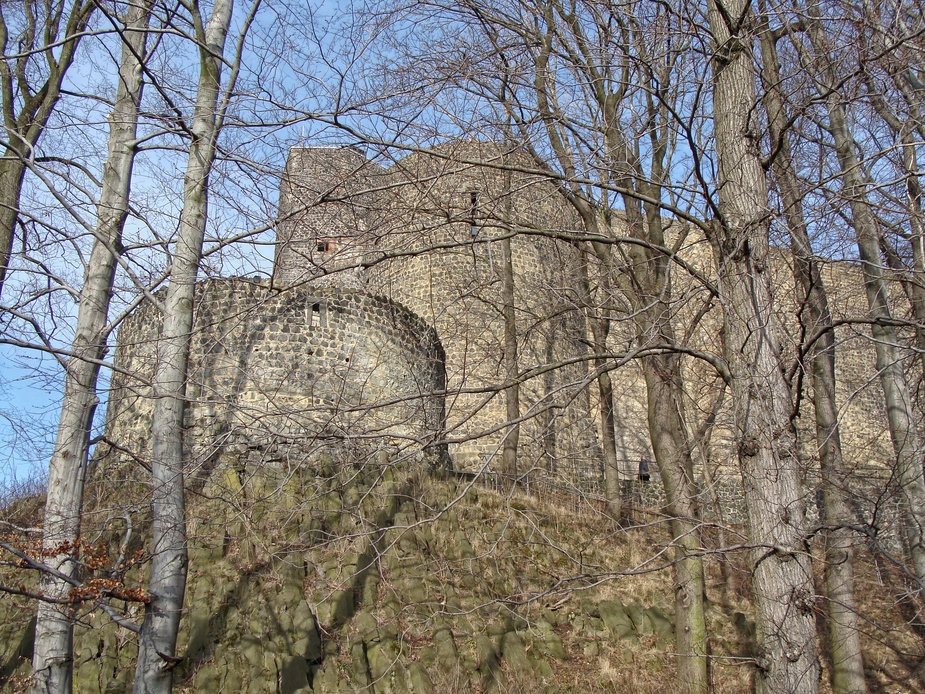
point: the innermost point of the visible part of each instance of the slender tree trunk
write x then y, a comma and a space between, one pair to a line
889, 360
765, 439
12, 172
612, 486
904, 127
671, 447
158, 638
600, 326
26, 107
702, 440
913, 279
589, 213
915, 287
53, 658
648, 288
512, 392
847, 661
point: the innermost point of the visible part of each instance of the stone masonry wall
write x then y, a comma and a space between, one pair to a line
331, 205
427, 230
458, 201
866, 444
430, 239
271, 367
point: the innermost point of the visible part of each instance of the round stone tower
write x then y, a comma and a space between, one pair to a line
271, 370
436, 232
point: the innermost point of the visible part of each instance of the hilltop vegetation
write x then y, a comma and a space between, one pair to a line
354, 571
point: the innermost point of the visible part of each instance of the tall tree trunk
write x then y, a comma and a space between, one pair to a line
913, 279
26, 107
600, 327
599, 322
847, 661
764, 436
508, 309
671, 446
158, 638
648, 288
889, 360
53, 657
512, 392
12, 172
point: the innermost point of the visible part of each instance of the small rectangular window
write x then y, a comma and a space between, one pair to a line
473, 213
323, 246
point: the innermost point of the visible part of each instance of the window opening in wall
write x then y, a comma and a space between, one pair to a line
323, 246
314, 316
473, 213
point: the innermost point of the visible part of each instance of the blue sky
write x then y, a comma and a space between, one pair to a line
28, 414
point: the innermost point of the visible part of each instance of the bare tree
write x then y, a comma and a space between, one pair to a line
167, 585
46, 38
511, 361
595, 94
846, 657
899, 410
52, 661
765, 437
526, 63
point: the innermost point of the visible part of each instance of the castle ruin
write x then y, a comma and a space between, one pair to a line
388, 318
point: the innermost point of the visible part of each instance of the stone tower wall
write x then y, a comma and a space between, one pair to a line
456, 203
427, 231
269, 367
331, 202
864, 432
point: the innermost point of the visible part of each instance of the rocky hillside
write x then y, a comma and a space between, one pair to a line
358, 571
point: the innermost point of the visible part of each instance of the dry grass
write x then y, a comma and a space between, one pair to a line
488, 563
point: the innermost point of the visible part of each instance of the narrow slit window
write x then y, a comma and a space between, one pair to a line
473, 213
314, 316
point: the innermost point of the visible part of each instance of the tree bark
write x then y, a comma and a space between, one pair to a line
912, 278
512, 392
167, 585
511, 361
12, 173
899, 408
846, 656
672, 448
598, 322
27, 107
765, 439
52, 655
648, 288
600, 326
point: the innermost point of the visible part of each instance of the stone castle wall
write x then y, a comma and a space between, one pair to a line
321, 354
271, 367
331, 207
433, 242
460, 201
866, 444
432, 230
